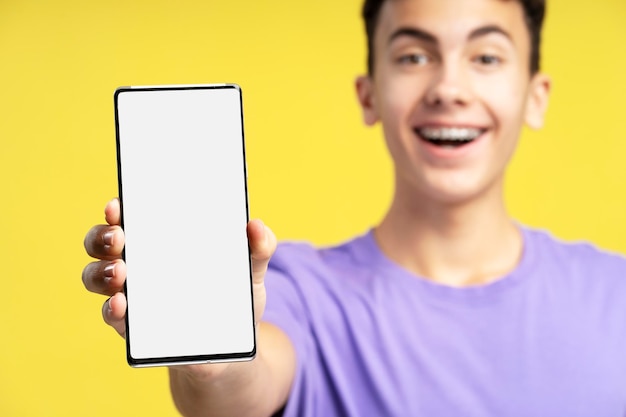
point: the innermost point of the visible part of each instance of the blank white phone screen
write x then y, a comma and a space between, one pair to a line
182, 182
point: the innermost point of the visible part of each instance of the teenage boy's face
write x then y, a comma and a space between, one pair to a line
452, 87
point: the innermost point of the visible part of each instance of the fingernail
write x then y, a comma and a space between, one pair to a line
107, 238
109, 309
109, 271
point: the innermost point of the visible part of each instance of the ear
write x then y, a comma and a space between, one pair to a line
537, 102
365, 93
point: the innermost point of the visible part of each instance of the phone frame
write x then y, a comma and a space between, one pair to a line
193, 359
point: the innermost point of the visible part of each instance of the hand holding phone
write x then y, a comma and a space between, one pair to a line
111, 282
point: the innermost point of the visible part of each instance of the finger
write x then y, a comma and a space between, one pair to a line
262, 246
112, 212
105, 277
114, 313
104, 242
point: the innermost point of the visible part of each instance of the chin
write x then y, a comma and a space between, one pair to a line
451, 190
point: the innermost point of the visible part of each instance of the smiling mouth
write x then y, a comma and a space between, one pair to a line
449, 137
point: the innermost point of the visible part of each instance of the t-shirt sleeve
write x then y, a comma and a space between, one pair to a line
285, 284
285, 306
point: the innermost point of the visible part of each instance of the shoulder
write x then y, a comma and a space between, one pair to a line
305, 256
308, 285
577, 260
326, 269
576, 252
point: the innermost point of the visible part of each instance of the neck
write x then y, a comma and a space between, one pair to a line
461, 244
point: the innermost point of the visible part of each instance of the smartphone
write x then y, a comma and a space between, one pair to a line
184, 209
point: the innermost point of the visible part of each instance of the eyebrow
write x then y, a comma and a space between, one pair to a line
422, 35
413, 33
487, 30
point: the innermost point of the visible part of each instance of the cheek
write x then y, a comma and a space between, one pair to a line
395, 108
506, 101
399, 95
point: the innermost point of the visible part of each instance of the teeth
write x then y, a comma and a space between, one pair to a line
450, 133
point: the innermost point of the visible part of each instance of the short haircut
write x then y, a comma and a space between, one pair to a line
534, 12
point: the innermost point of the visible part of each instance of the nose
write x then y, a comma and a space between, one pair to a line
449, 87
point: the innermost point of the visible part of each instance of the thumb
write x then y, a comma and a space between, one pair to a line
262, 243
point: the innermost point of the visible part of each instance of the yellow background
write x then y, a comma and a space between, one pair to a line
315, 172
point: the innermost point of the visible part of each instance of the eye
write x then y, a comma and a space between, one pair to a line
487, 60
413, 59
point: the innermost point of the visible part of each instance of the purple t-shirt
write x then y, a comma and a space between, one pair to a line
372, 339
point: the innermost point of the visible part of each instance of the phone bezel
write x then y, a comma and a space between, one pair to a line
194, 359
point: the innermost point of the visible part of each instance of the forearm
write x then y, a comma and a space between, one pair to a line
237, 392
256, 388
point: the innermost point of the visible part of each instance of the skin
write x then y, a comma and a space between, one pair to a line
255, 388
447, 221
452, 63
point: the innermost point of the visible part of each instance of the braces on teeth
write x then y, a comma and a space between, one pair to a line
452, 133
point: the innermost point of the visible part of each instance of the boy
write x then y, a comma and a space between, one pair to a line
447, 307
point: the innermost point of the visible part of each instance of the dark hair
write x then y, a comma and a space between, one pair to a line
534, 12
